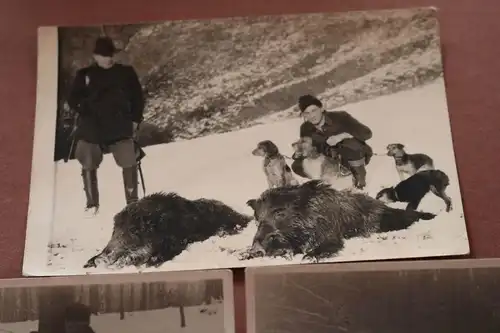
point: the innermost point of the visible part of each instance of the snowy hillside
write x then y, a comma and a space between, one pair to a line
157, 321
254, 66
214, 76
199, 168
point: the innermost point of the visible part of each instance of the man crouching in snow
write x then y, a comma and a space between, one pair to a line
109, 101
335, 131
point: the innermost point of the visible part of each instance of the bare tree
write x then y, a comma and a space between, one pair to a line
183, 316
182, 292
122, 305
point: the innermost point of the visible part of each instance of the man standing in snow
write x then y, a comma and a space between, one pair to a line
109, 102
335, 131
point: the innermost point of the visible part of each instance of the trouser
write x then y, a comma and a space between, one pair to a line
355, 160
90, 157
354, 157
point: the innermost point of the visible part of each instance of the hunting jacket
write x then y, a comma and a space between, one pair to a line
338, 122
107, 102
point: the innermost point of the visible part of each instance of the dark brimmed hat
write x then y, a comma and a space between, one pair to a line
307, 100
77, 312
105, 47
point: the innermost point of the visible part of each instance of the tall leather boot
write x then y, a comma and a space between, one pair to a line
359, 175
91, 189
130, 182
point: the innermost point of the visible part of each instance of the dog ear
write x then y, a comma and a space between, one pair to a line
271, 148
252, 203
400, 146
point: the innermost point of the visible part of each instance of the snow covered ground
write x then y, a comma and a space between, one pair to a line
221, 167
156, 321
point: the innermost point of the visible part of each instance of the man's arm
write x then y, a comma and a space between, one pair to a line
77, 92
319, 140
353, 127
136, 97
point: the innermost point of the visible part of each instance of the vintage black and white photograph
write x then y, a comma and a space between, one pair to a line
147, 303
438, 296
242, 141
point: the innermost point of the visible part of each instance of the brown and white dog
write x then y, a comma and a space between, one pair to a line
408, 164
318, 166
278, 173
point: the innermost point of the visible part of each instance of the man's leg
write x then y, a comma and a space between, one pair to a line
359, 172
355, 160
90, 157
359, 166
345, 168
368, 151
124, 155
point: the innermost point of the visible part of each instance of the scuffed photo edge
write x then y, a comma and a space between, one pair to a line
251, 273
225, 275
43, 169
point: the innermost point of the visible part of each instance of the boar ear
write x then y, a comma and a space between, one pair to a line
252, 203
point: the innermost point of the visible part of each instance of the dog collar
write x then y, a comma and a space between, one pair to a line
396, 196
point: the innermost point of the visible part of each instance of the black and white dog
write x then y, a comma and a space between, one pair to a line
413, 189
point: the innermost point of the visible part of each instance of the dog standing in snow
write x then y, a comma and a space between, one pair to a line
277, 171
318, 166
408, 164
413, 189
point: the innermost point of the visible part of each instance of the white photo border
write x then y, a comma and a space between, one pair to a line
43, 169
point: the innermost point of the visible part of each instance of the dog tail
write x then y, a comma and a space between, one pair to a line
398, 219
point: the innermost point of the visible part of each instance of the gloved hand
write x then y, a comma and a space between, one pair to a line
335, 139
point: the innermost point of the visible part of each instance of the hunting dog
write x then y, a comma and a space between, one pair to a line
413, 189
408, 164
318, 166
276, 169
